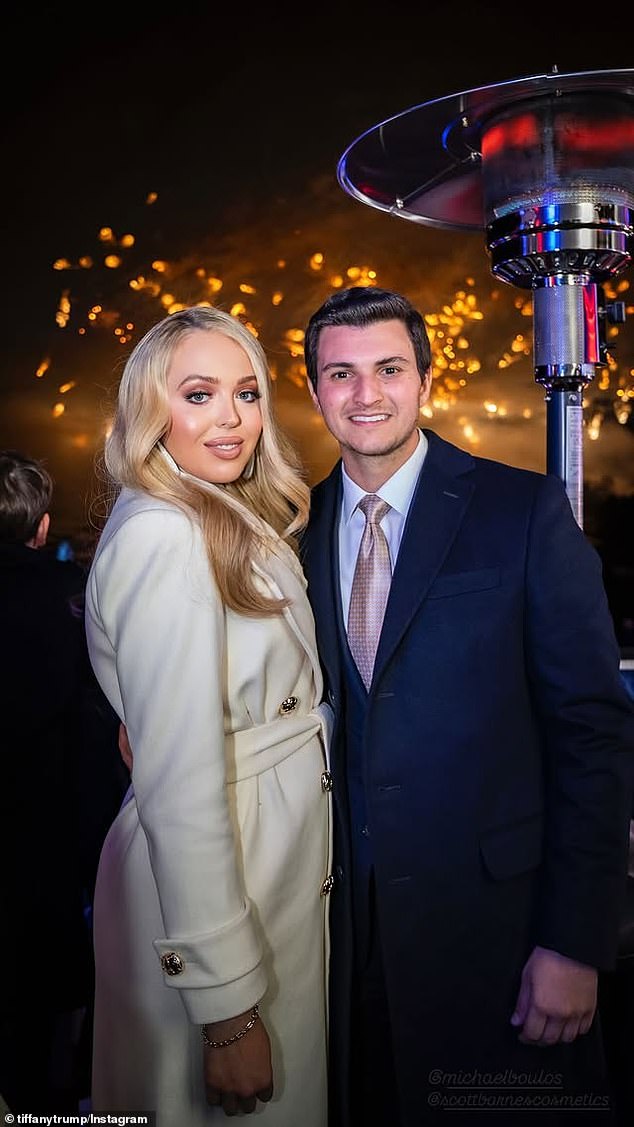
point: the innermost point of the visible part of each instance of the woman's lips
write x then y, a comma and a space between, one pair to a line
225, 448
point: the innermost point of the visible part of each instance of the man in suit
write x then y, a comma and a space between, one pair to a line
482, 752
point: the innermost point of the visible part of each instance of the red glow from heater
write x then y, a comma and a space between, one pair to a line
374, 193
591, 322
572, 134
597, 136
517, 133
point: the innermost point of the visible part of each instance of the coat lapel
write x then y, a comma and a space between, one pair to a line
438, 506
283, 575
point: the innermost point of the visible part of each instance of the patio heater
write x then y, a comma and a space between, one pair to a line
545, 165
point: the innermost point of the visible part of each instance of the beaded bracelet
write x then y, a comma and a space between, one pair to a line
255, 1013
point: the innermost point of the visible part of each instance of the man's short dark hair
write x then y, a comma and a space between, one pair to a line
26, 489
365, 305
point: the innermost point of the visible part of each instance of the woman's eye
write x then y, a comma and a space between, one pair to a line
249, 395
197, 397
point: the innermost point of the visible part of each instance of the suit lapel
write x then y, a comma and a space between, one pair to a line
436, 512
321, 562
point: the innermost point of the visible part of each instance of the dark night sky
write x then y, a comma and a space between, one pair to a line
231, 118
216, 112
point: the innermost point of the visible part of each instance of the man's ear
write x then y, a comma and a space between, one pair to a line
313, 394
425, 388
39, 540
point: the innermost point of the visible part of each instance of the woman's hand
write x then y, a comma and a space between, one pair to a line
238, 1075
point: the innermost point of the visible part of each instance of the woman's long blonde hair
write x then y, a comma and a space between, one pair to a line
274, 490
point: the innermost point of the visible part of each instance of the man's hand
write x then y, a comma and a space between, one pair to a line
239, 1075
557, 999
124, 747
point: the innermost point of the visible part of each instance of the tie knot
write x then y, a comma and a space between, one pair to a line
373, 508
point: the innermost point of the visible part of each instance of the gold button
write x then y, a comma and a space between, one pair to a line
327, 885
326, 781
172, 963
289, 704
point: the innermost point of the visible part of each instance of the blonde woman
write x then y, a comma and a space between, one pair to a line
210, 904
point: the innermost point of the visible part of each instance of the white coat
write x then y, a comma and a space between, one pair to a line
220, 855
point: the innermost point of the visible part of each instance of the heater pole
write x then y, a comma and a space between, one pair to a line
566, 354
564, 443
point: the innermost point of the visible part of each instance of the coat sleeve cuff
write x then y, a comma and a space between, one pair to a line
219, 974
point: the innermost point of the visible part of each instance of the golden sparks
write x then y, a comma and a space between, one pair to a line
251, 289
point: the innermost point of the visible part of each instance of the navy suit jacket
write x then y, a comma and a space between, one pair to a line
497, 754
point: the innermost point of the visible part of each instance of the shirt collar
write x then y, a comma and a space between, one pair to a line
398, 490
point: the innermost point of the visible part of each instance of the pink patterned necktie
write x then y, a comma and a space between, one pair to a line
370, 588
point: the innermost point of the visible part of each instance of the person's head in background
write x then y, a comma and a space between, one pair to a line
26, 489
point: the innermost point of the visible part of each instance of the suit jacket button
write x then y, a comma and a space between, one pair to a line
326, 781
327, 885
289, 704
172, 963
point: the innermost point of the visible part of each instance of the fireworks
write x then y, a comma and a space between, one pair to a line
271, 274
